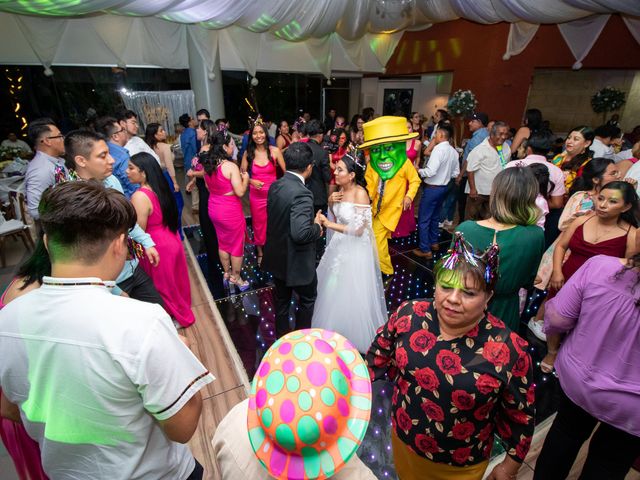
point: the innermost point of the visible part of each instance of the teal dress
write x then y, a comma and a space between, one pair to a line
521, 249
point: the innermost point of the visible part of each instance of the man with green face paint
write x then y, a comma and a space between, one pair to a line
392, 182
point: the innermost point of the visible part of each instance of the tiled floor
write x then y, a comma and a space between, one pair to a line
249, 317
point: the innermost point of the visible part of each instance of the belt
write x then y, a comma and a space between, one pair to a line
427, 185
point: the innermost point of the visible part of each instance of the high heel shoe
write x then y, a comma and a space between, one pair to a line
243, 286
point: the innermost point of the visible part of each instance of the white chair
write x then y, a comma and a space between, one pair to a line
14, 228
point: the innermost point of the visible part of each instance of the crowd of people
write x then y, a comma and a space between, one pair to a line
325, 198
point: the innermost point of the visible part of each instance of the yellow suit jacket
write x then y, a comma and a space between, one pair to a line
394, 192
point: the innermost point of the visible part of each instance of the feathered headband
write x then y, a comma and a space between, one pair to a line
257, 121
462, 251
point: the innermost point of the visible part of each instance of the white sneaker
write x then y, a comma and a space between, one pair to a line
537, 328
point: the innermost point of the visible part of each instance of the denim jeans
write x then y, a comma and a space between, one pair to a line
449, 205
429, 215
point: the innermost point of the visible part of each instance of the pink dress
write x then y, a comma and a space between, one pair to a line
407, 223
226, 214
258, 200
24, 450
170, 277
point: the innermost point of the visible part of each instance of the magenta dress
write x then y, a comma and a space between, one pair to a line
226, 214
407, 223
170, 277
24, 450
258, 200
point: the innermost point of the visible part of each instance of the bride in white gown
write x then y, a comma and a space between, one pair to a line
350, 297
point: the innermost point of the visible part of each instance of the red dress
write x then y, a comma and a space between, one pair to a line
581, 251
407, 223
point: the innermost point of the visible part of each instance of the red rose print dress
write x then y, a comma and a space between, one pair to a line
450, 395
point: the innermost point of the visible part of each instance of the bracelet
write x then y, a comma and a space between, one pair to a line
505, 470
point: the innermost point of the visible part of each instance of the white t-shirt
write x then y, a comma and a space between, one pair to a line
600, 150
137, 145
485, 162
555, 174
443, 165
93, 373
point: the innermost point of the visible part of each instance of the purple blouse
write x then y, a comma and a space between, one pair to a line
598, 361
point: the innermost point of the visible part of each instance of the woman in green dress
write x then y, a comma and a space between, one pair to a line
512, 226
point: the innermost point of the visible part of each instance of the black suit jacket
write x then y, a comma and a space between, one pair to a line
290, 250
320, 175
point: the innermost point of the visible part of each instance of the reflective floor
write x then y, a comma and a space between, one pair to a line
250, 317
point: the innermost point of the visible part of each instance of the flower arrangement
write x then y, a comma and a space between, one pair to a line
461, 103
607, 100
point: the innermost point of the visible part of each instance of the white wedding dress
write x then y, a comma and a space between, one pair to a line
350, 297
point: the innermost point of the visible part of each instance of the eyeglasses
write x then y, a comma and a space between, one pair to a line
55, 136
119, 131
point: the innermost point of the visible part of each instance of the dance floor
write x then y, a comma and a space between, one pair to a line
249, 317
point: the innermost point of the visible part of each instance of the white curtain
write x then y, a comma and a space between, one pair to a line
633, 24
520, 34
581, 35
160, 107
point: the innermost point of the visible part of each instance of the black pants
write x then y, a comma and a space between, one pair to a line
141, 287
611, 451
551, 230
198, 472
321, 243
306, 300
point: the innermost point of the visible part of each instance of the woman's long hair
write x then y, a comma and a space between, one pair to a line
210, 130
156, 179
36, 266
150, 134
593, 170
575, 163
541, 172
533, 120
353, 126
211, 159
629, 196
252, 146
513, 197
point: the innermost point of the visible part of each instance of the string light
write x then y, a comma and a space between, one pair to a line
15, 78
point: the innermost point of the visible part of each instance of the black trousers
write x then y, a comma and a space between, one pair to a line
462, 199
141, 287
611, 450
306, 300
197, 473
321, 243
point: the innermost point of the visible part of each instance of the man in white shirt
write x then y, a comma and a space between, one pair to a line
128, 120
443, 165
13, 141
483, 164
102, 382
601, 145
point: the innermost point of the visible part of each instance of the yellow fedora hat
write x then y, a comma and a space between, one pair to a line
386, 130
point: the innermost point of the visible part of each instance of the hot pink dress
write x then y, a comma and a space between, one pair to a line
226, 214
258, 200
170, 277
407, 224
24, 450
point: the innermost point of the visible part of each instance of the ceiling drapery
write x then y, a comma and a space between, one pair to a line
322, 36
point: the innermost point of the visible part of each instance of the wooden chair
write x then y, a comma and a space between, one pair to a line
15, 228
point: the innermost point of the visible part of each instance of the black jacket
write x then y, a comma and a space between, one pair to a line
290, 250
320, 175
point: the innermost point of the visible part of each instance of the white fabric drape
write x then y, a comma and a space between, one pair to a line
520, 34
633, 24
160, 107
581, 35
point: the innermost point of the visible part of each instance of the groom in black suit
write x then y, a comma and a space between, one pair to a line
292, 231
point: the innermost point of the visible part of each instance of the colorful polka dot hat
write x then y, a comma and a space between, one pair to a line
309, 405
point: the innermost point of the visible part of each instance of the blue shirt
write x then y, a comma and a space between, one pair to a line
121, 157
476, 139
188, 145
